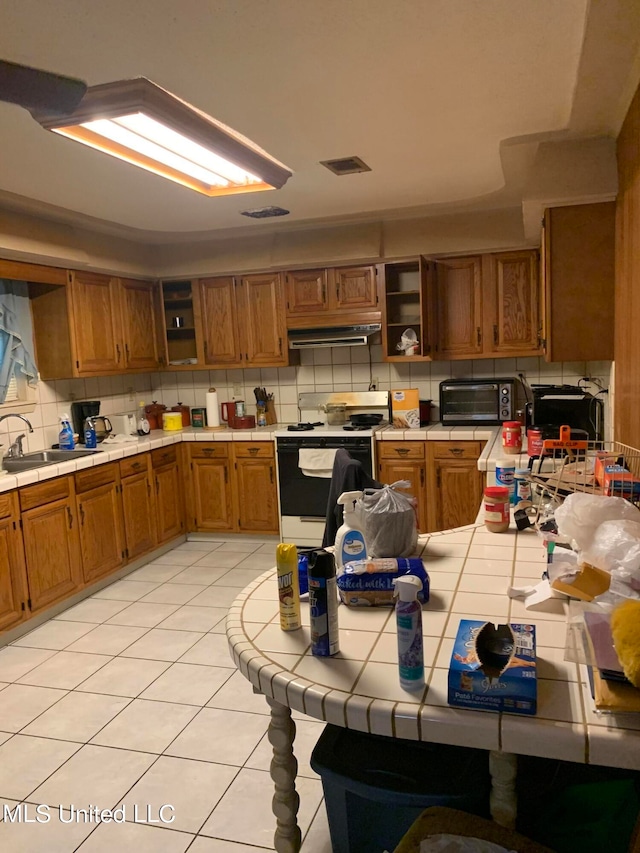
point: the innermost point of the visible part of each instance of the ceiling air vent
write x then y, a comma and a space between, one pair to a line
346, 165
265, 212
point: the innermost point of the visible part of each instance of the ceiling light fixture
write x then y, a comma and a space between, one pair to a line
143, 124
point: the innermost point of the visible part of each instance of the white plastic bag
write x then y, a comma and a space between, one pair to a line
390, 528
581, 514
615, 545
408, 344
446, 843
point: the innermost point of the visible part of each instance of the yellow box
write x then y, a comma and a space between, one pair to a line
405, 408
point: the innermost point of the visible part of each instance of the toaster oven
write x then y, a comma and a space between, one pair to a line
489, 402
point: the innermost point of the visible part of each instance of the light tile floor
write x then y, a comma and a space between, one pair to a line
131, 698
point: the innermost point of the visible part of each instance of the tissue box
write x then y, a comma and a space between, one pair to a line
405, 408
494, 669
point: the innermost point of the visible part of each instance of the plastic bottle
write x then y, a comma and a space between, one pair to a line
409, 623
323, 604
90, 440
288, 589
350, 543
65, 438
142, 424
505, 476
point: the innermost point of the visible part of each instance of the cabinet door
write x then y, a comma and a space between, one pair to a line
212, 494
52, 552
459, 305
390, 470
354, 287
169, 504
256, 495
13, 594
455, 493
139, 515
219, 321
101, 531
262, 326
96, 324
306, 292
139, 324
512, 315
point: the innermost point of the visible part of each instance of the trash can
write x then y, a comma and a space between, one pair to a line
375, 787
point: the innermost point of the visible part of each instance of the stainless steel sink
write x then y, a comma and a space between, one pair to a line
40, 458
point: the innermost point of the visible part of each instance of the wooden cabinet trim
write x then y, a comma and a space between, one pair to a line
209, 450
164, 456
401, 450
101, 475
44, 493
134, 465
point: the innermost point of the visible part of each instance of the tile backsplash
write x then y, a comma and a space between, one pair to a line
324, 369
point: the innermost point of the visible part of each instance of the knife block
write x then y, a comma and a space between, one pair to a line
270, 413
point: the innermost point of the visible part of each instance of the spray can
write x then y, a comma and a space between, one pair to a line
288, 591
409, 623
350, 544
323, 604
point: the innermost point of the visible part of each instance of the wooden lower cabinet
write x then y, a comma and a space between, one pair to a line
13, 581
405, 460
101, 526
454, 483
138, 505
256, 493
50, 532
211, 488
168, 488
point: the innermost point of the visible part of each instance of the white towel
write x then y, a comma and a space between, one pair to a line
315, 462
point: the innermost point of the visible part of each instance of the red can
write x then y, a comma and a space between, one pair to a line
534, 441
512, 437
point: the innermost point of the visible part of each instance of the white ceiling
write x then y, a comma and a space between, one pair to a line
430, 93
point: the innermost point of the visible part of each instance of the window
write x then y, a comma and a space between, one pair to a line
18, 372
12, 390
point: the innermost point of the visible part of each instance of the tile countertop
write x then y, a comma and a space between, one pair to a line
159, 438
470, 569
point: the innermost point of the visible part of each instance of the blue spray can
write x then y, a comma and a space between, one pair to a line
409, 624
323, 604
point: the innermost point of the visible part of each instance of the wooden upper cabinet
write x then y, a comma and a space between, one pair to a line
261, 320
459, 306
219, 321
306, 292
512, 305
579, 281
138, 312
353, 288
95, 324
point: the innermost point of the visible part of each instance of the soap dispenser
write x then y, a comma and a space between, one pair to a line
350, 542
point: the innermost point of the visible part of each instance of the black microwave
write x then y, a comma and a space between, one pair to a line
489, 402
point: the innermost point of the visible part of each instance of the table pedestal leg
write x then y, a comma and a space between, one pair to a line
503, 801
284, 767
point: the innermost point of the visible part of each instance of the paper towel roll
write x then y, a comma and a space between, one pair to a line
213, 412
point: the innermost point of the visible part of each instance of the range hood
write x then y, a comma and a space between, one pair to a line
336, 336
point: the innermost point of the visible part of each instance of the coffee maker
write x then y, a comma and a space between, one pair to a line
80, 411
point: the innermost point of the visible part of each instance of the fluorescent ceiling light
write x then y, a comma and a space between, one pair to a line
137, 121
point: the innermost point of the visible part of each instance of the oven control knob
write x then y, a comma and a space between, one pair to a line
504, 413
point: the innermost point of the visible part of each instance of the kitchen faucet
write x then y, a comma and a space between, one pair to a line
15, 450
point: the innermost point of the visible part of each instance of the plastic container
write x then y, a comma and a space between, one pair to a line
90, 440
65, 436
261, 418
409, 625
303, 569
375, 787
143, 426
505, 474
171, 421
496, 508
323, 604
534, 441
350, 542
512, 437
288, 587
522, 485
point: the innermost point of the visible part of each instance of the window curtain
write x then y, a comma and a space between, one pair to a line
16, 336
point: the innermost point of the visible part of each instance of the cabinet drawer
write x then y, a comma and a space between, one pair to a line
6, 504
44, 493
400, 449
101, 475
134, 465
164, 456
253, 449
209, 450
455, 449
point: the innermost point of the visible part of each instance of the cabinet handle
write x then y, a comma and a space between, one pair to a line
402, 451
148, 489
81, 515
254, 450
456, 451
280, 345
226, 474
271, 473
206, 350
118, 352
438, 478
136, 465
495, 334
207, 450
126, 349
324, 292
338, 292
422, 476
69, 518
479, 335
157, 486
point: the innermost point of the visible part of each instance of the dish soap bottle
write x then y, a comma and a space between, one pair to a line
142, 424
409, 623
65, 438
90, 440
350, 543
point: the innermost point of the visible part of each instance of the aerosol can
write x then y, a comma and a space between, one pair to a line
323, 604
409, 624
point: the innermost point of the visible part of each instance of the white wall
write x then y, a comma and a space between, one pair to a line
337, 368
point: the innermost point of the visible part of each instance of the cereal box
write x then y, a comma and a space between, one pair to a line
405, 408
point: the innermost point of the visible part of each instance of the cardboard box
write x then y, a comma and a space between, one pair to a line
586, 584
494, 669
405, 408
